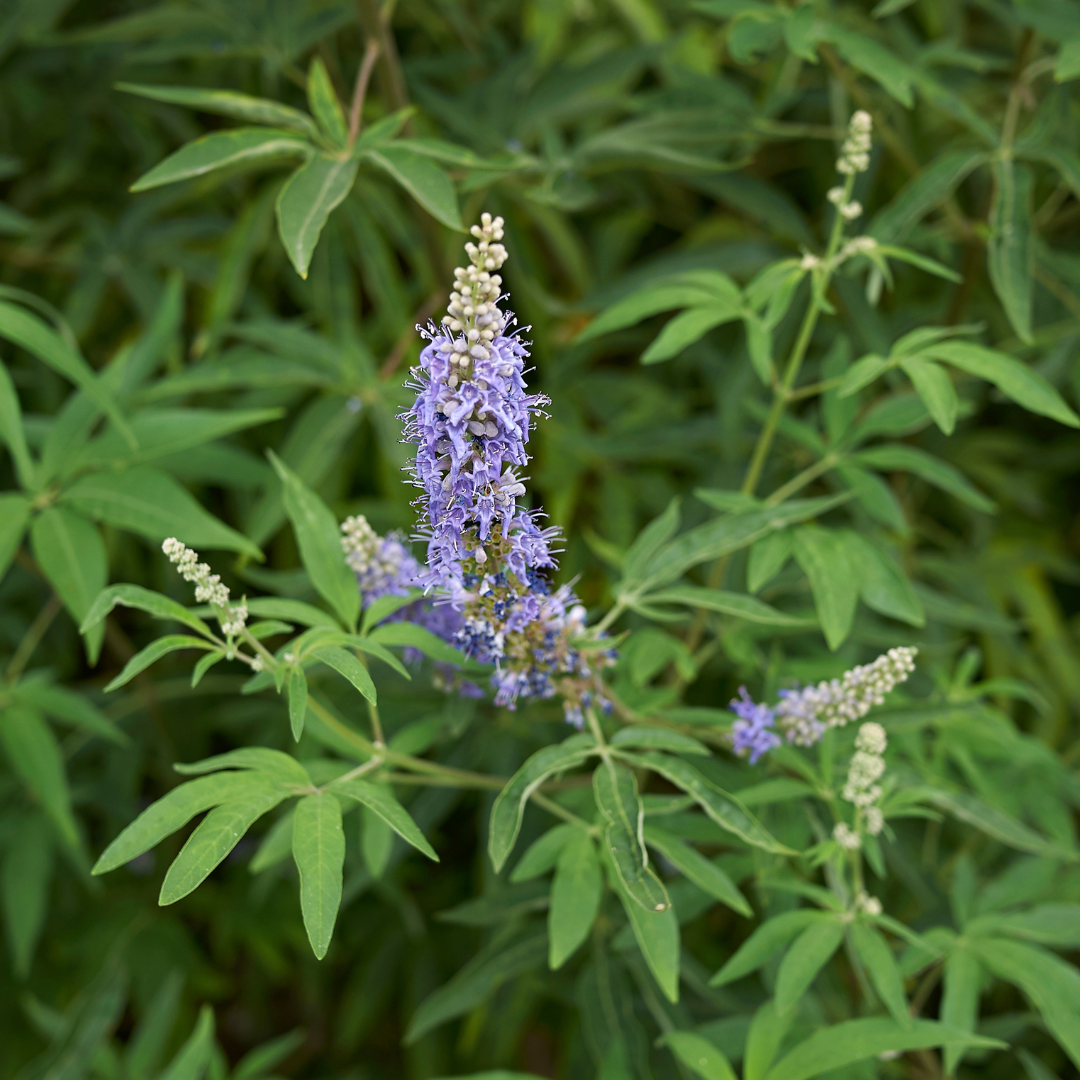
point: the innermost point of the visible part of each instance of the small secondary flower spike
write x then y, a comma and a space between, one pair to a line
486, 554
208, 587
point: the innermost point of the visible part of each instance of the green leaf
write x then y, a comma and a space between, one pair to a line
845, 1043
296, 682
24, 888
706, 875
244, 147
646, 544
318, 847
154, 652
658, 738
866, 55
1008, 251
724, 809
376, 841
67, 706
344, 663
862, 373
1068, 61
476, 982
616, 794
823, 556
324, 104
307, 200
542, 854
216, 835
700, 1055
177, 808
11, 430
272, 763
876, 496
429, 185
135, 596
882, 585
767, 940
36, 336
380, 800
929, 468
1025, 386
193, 1058
768, 556
873, 951
933, 385
384, 606
276, 844
686, 328
656, 934
294, 611
962, 978
760, 345
808, 954
768, 1030
34, 754
71, 554
319, 539
509, 807
150, 502
419, 638
14, 514
226, 103
576, 891
728, 603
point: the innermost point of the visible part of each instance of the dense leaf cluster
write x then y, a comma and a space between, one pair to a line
801, 287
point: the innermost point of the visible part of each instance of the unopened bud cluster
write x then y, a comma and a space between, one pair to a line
867, 767
849, 208
855, 153
473, 314
208, 586
381, 563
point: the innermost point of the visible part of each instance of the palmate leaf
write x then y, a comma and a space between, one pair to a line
318, 846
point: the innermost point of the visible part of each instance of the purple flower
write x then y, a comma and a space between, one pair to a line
751, 732
471, 423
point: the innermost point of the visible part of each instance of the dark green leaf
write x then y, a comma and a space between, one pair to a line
576, 891
307, 200
380, 800
422, 179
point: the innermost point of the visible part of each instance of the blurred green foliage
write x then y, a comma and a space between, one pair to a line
157, 342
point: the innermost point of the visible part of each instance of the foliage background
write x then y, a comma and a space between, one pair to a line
622, 140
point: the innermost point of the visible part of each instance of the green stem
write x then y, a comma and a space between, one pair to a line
802, 479
30, 642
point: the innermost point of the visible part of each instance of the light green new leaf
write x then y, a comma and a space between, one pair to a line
873, 951
154, 652
307, 200
71, 553
380, 800
729, 603
217, 834
227, 103
429, 185
174, 810
150, 502
656, 934
823, 557
960, 999
542, 854
724, 809
576, 891
1025, 386
933, 385
223, 149
24, 888
765, 942
274, 764
845, 1043
14, 515
686, 328
809, 953
324, 104
34, 754
193, 1058
1008, 251
11, 430
36, 336
319, 540
318, 847
135, 596
296, 686
509, 807
344, 663
697, 1053
706, 875
616, 794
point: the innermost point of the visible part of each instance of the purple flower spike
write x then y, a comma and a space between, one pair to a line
486, 554
751, 732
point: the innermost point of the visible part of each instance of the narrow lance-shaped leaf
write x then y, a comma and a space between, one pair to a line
576, 891
154, 652
296, 684
1008, 251
319, 852
809, 953
11, 430
324, 104
345, 663
307, 200
380, 800
765, 942
706, 875
824, 560
24, 887
422, 179
699, 1054
14, 516
193, 1058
